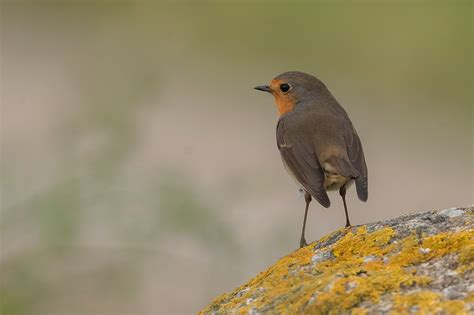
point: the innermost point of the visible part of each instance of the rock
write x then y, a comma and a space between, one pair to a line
418, 263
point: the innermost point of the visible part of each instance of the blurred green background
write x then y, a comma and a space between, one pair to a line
139, 168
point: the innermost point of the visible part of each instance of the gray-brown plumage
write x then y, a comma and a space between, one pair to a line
318, 144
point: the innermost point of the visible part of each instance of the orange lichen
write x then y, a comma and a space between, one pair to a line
362, 266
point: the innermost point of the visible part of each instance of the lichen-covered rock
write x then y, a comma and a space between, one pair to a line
421, 263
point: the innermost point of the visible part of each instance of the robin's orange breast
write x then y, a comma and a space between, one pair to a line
285, 101
284, 105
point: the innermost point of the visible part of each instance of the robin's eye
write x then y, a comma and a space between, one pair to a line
285, 87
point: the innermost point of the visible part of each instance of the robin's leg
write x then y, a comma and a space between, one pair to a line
307, 198
342, 192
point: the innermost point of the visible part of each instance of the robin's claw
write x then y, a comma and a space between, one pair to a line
303, 243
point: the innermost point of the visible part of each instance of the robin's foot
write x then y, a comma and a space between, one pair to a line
348, 224
303, 243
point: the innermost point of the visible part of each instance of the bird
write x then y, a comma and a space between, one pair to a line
318, 143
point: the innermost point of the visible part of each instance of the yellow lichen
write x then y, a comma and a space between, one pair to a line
435, 246
466, 255
363, 268
362, 243
466, 259
358, 311
426, 302
470, 298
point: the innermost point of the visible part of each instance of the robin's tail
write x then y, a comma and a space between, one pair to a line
362, 188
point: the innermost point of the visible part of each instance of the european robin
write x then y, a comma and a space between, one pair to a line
318, 144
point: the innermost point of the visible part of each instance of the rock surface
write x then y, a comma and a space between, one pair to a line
421, 263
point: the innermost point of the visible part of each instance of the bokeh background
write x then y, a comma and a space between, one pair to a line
139, 168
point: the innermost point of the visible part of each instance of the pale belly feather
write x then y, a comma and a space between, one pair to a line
332, 181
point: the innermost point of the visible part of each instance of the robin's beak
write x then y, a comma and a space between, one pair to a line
264, 88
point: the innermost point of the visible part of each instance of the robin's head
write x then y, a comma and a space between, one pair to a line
291, 88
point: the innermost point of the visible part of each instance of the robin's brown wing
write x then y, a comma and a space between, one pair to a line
297, 151
356, 156
337, 129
